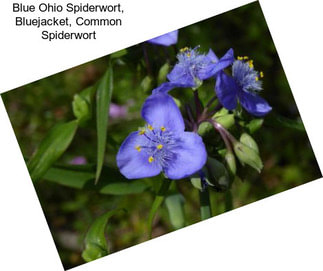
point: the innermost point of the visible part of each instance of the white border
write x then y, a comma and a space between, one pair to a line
283, 232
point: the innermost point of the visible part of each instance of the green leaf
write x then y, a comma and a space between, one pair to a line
82, 179
156, 204
103, 98
280, 121
96, 245
51, 148
71, 178
119, 53
175, 207
124, 188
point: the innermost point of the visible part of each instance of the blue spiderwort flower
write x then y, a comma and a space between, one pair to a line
162, 145
193, 67
166, 39
242, 86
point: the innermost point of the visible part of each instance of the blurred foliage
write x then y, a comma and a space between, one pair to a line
34, 109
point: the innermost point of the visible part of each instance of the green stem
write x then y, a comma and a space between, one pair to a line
228, 201
205, 206
197, 104
157, 203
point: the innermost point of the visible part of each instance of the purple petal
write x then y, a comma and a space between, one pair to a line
212, 56
180, 75
213, 69
167, 86
254, 104
189, 156
166, 39
226, 89
160, 110
134, 164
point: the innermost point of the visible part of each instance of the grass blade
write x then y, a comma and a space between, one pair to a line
51, 148
103, 98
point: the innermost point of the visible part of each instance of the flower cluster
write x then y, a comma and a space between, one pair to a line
163, 145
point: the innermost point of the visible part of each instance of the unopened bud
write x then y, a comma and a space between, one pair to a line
146, 83
254, 125
81, 108
247, 155
249, 141
218, 174
231, 162
162, 74
225, 120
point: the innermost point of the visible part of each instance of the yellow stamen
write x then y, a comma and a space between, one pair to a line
188, 55
150, 159
262, 74
150, 127
138, 148
159, 147
257, 78
141, 132
240, 58
163, 129
245, 57
183, 49
250, 62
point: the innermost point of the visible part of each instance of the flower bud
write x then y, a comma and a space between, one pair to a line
249, 141
162, 74
204, 128
254, 125
231, 162
217, 174
146, 83
81, 108
226, 120
247, 155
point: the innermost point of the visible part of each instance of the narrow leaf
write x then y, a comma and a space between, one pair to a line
70, 178
280, 121
103, 98
96, 245
175, 207
118, 54
51, 148
156, 204
124, 188
82, 179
